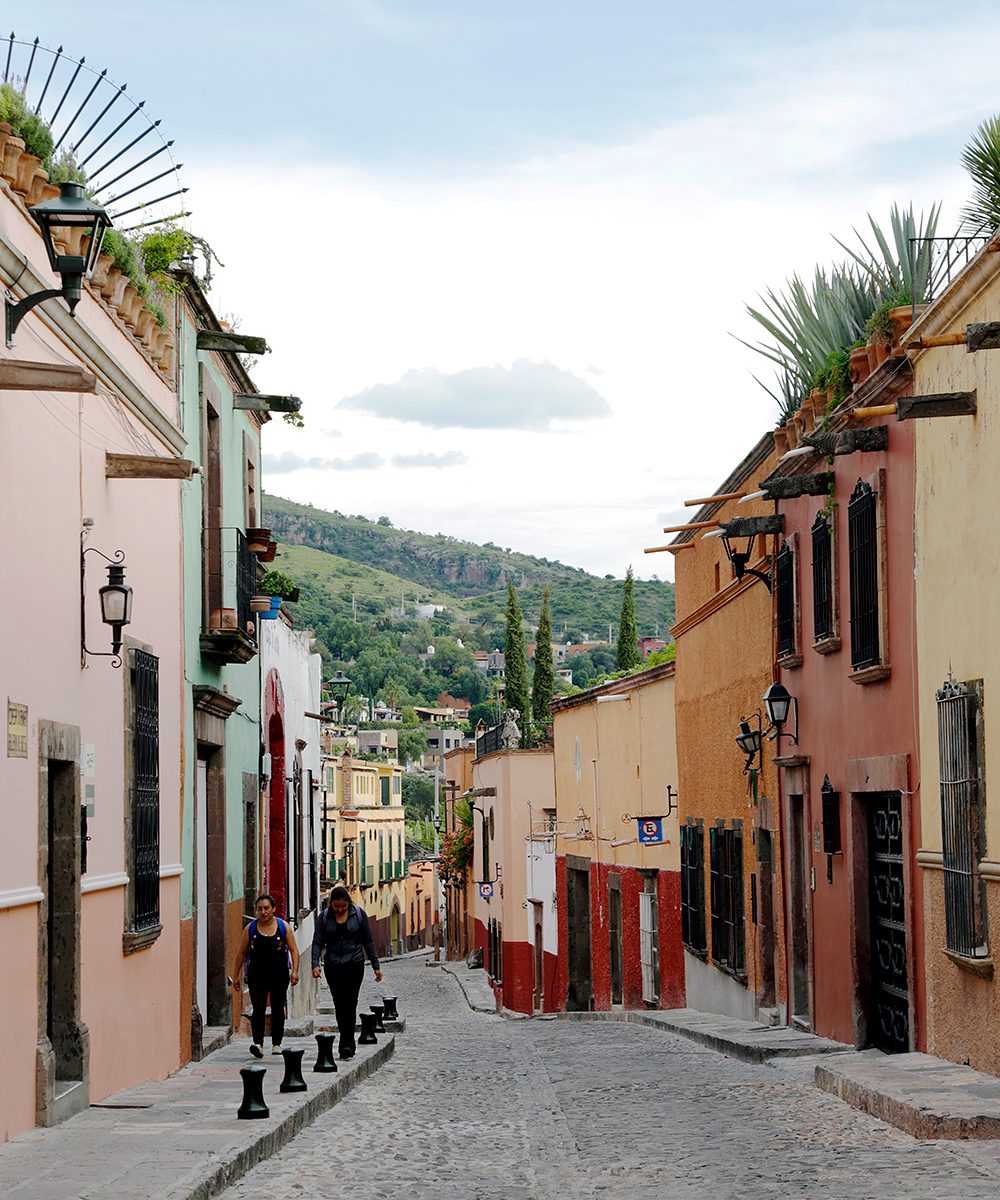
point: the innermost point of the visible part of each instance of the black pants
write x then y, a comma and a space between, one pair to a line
262, 983
345, 987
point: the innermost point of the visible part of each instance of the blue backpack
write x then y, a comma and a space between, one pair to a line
282, 942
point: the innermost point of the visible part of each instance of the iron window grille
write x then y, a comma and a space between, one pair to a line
959, 709
146, 792
784, 576
693, 887
862, 536
726, 866
822, 574
831, 817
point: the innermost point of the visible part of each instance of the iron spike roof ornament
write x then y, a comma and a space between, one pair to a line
52, 81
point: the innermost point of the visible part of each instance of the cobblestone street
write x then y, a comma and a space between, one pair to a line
476, 1107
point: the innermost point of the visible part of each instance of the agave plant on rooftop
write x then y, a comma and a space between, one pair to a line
900, 269
813, 326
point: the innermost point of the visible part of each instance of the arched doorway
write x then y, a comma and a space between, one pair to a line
277, 833
394, 930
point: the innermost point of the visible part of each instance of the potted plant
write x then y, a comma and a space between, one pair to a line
258, 539
260, 604
277, 584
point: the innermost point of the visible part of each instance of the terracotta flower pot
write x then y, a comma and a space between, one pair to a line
39, 186
50, 191
112, 278
27, 165
144, 323
100, 273
780, 440
260, 604
878, 352
130, 306
859, 369
902, 319
5, 132
12, 151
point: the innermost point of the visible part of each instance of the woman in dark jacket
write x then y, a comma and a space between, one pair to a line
343, 932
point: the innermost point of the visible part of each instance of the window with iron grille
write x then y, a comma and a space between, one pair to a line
726, 866
822, 573
145, 792
862, 538
784, 588
693, 887
960, 749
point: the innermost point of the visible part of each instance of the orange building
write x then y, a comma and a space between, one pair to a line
458, 892
732, 923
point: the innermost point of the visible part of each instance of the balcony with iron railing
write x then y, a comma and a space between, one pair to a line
939, 260
230, 633
489, 741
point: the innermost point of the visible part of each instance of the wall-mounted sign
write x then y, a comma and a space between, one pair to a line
651, 831
485, 891
17, 730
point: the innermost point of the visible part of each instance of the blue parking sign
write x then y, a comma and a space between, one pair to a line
650, 831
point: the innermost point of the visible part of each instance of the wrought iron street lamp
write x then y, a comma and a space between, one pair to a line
749, 739
778, 701
116, 605
738, 536
69, 213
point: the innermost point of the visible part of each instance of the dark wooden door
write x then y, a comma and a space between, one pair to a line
889, 1026
578, 994
615, 936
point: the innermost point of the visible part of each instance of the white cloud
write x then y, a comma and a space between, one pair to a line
284, 464
450, 458
526, 395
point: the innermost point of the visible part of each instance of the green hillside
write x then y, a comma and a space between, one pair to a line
469, 579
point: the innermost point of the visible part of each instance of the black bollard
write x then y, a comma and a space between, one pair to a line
253, 1107
377, 1010
389, 1009
324, 1056
293, 1081
368, 1037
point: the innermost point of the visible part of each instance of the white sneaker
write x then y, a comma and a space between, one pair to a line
257, 1051
276, 1049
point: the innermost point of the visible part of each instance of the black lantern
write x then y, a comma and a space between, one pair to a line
778, 701
339, 687
116, 605
70, 211
738, 536
749, 739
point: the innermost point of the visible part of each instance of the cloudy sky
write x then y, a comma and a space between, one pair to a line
500, 251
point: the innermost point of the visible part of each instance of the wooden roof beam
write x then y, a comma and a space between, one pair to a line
18, 375
146, 466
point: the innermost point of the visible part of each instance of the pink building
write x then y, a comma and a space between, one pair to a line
90, 783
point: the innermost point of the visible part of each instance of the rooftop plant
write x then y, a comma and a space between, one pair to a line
25, 124
812, 327
981, 158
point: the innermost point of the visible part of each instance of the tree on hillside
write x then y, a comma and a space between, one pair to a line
412, 744
628, 649
516, 665
544, 678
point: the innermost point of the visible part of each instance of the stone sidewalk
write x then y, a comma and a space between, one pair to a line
178, 1139
474, 984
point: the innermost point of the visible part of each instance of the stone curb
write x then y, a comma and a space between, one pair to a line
747, 1049
943, 1100
476, 1003
269, 1142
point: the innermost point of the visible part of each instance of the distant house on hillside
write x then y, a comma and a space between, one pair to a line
458, 704
650, 645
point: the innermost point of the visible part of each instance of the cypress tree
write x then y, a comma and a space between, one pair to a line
544, 678
515, 663
628, 651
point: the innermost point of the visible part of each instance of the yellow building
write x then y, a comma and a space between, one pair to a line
364, 839
957, 573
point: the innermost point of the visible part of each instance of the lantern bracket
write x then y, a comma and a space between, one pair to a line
14, 314
115, 653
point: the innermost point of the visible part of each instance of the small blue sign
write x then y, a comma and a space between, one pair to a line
485, 891
650, 831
